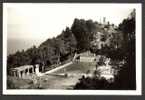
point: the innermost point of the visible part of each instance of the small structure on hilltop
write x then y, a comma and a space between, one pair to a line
86, 57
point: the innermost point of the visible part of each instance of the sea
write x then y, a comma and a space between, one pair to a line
14, 45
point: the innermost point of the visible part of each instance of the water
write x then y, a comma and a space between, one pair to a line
14, 45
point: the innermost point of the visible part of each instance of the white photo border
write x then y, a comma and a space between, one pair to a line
138, 91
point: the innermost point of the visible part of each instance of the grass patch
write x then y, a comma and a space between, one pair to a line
80, 67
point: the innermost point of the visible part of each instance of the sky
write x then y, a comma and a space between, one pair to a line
46, 20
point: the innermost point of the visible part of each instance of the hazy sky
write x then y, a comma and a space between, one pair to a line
42, 21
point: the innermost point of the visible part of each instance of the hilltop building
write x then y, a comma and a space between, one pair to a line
85, 57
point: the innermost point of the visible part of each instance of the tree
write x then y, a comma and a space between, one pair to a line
69, 41
128, 71
83, 31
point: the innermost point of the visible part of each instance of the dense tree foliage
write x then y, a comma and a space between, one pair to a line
128, 71
83, 31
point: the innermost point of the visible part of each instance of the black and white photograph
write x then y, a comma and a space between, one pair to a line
72, 48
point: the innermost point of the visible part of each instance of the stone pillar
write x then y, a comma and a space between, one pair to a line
37, 70
19, 74
28, 71
23, 74
43, 68
14, 72
32, 70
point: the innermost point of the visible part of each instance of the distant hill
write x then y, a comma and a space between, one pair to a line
14, 45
